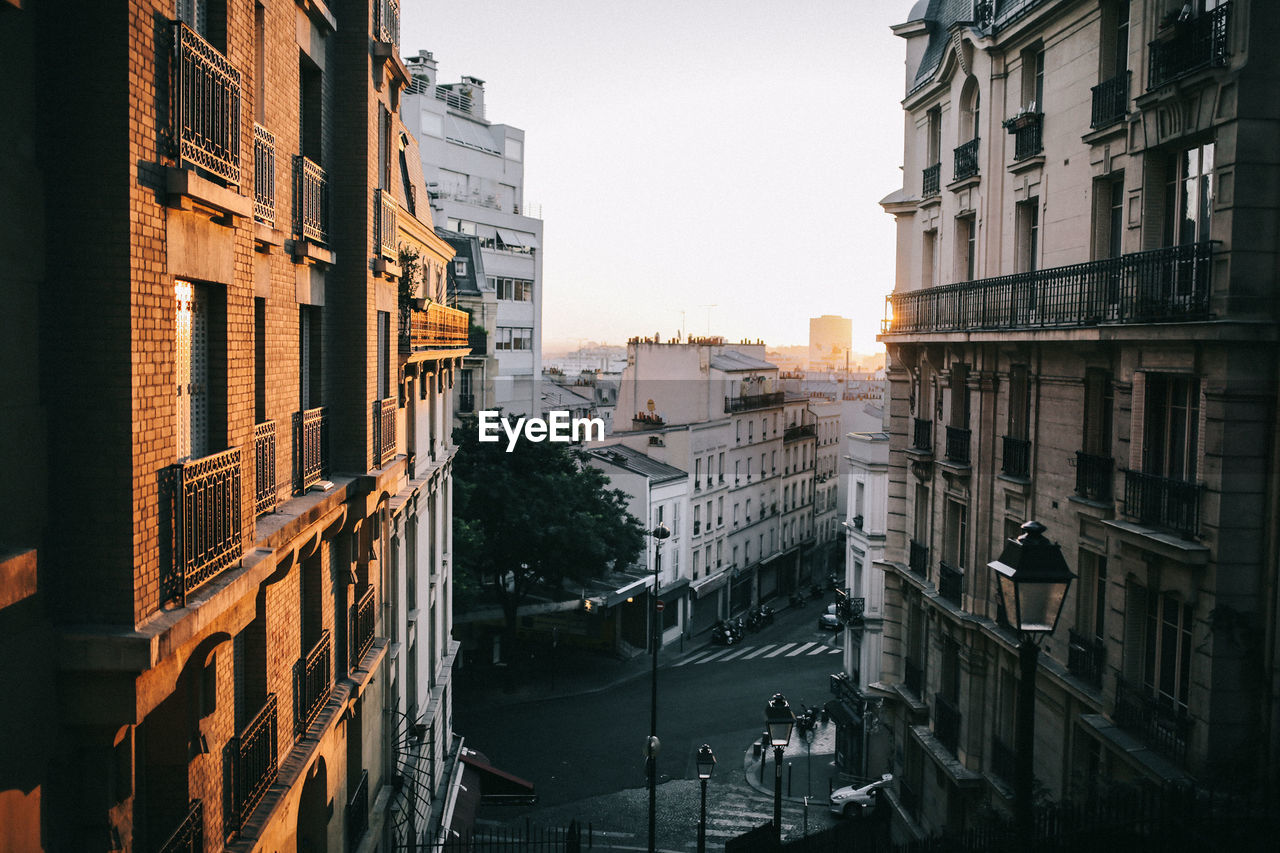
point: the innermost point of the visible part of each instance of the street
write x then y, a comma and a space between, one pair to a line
584, 750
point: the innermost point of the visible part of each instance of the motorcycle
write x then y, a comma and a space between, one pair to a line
724, 634
754, 622
765, 613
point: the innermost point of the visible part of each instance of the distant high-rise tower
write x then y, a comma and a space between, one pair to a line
830, 338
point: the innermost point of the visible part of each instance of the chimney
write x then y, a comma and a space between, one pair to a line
422, 70
474, 88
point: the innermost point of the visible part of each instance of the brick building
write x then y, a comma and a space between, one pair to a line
1083, 333
224, 570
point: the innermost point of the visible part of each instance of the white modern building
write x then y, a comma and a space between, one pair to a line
474, 171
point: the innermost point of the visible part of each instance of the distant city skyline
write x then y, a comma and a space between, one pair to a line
688, 183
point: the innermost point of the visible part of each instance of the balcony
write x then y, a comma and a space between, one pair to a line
1164, 728
1110, 101
958, 445
386, 23
264, 467
966, 165
1093, 476
358, 812
946, 722
1016, 461
1158, 286
362, 625
918, 559
206, 520
310, 200
1002, 760
922, 435
436, 327
1163, 502
206, 106
795, 433
264, 175
386, 216
189, 836
857, 522
913, 677
312, 681
1028, 134
931, 181
254, 754
950, 582
383, 431
310, 448
1085, 657
751, 402
1186, 46
466, 402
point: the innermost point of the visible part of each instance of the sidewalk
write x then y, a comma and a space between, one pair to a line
805, 768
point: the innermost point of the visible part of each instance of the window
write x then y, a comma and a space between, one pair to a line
1166, 670
1091, 611
384, 148
1027, 222
1098, 402
928, 253
1188, 196
310, 99
748, 510
206, 17
966, 247
513, 289
1114, 54
1108, 216
1171, 425
192, 343
460, 267
751, 431
696, 555
697, 473
1033, 79
697, 520
384, 355
259, 359
960, 395
956, 537
513, 338
310, 342
970, 111
933, 136
1019, 401
259, 61
720, 469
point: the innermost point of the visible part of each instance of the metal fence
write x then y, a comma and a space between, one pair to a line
206, 519
1016, 459
312, 680
1093, 476
1163, 502
362, 625
264, 175
1110, 101
966, 164
310, 448
931, 180
254, 750
384, 431
189, 836
310, 200
387, 217
264, 467
206, 105
1187, 46
922, 435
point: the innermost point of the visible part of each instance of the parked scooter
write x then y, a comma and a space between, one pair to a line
725, 633
765, 612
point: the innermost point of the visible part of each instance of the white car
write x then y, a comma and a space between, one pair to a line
852, 802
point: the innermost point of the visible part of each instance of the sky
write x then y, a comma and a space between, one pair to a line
694, 153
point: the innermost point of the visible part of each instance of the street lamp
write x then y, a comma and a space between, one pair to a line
660, 534
1033, 581
778, 721
706, 766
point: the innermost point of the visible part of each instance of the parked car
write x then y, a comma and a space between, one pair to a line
855, 802
830, 622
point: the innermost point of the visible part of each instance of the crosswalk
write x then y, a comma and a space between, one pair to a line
737, 809
772, 650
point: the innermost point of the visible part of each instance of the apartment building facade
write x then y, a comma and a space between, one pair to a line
1082, 332
474, 170
245, 612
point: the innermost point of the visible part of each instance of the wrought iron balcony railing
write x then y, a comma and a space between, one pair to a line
751, 402
1085, 657
1093, 476
436, 327
189, 836
946, 722
958, 445
922, 435
312, 681
358, 812
966, 165
206, 105
1028, 135
264, 467
950, 582
918, 559
310, 200
1002, 760
386, 212
1110, 101
207, 520
931, 181
1163, 502
384, 431
362, 625
1161, 285
310, 448
264, 175
1165, 728
254, 750
1016, 460
794, 433
1187, 46
913, 677
386, 24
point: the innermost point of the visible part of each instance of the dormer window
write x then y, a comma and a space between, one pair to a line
460, 266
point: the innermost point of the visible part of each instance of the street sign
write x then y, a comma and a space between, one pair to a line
658, 607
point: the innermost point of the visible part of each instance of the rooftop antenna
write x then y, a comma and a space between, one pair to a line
709, 307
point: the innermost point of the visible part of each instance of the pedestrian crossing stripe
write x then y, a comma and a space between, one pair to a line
758, 651
780, 650
803, 648
768, 651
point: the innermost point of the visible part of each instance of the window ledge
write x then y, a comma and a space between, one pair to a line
1026, 164
265, 237
1150, 763
391, 64
1161, 542
955, 770
318, 12
390, 269
187, 190
931, 201
964, 183
1119, 127
306, 252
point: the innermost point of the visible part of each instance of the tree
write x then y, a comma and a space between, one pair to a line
535, 515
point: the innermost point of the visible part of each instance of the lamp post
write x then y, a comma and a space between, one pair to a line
659, 534
1033, 581
779, 721
706, 766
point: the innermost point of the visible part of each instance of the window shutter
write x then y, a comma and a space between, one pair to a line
1135, 618
1137, 421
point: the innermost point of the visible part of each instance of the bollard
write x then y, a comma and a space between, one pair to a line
789, 767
